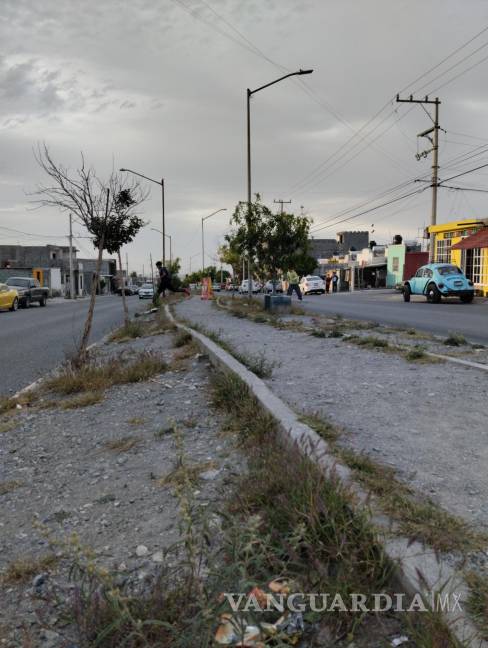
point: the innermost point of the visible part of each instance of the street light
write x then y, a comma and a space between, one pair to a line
203, 244
161, 184
249, 95
155, 229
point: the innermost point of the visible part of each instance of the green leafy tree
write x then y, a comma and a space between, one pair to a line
276, 242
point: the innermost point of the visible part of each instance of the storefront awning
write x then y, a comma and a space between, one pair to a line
477, 240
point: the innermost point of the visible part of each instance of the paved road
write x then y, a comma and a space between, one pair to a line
35, 340
388, 307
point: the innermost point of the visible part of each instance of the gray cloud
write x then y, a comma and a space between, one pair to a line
161, 88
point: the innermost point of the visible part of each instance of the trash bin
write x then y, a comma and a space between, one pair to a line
277, 303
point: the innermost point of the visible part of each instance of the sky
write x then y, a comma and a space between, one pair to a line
159, 86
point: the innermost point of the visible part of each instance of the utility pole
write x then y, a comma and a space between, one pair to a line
127, 267
282, 202
152, 271
71, 271
434, 140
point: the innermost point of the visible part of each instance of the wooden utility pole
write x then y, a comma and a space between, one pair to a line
282, 202
434, 140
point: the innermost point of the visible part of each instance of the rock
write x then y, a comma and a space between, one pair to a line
209, 475
141, 551
38, 582
158, 557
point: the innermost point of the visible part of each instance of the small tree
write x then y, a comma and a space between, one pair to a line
94, 203
121, 229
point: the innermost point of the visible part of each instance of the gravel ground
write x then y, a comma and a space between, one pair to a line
428, 421
69, 481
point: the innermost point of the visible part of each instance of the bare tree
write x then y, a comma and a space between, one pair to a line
93, 202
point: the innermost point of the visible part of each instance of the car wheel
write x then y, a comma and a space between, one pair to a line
467, 299
15, 305
406, 293
27, 302
42, 301
433, 294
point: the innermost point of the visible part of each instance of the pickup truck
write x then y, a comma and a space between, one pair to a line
29, 289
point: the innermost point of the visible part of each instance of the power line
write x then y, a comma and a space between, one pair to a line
8, 229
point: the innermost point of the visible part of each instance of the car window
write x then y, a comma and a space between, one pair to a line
428, 273
3, 288
419, 272
313, 278
18, 281
146, 286
449, 270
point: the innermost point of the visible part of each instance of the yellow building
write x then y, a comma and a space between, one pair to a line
465, 244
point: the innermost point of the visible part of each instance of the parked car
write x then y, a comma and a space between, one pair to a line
146, 291
312, 284
230, 286
216, 287
268, 287
129, 290
244, 287
437, 280
9, 297
29, 290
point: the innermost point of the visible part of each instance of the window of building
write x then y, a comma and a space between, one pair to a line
443, 250
395, 265
477, 266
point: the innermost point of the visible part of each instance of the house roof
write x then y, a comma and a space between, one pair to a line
477, 240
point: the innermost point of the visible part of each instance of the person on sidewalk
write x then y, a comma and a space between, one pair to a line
165, 283
293, 279
335, 281
328, 279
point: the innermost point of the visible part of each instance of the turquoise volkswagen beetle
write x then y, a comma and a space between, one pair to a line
437, 280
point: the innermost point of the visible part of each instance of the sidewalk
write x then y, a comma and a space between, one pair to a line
427, 421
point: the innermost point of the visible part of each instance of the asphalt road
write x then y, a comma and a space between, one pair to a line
34, 340
388, 307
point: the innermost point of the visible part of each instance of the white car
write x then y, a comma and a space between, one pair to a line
244, 287
146, 291
268, 286
312, 284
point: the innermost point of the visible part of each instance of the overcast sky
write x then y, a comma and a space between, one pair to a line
158, 86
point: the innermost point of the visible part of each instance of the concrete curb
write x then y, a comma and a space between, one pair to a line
419, 569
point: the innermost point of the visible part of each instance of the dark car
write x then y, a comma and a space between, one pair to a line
29, 290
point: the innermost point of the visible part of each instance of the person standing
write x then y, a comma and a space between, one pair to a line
335, 281
293, 279
328, 279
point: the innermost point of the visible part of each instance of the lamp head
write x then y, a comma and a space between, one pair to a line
305, 71
122, 169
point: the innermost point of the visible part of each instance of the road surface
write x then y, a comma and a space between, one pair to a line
388, 307
34, 340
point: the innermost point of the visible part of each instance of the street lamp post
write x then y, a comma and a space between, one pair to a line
161, 184
249, 195
203, 242
155, 229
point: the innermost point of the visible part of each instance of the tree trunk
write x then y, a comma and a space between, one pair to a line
122, 289
89, 318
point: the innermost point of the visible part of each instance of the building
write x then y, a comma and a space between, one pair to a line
47, 263
465, 244
403, 261
50, 264
108, 275
331, 252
